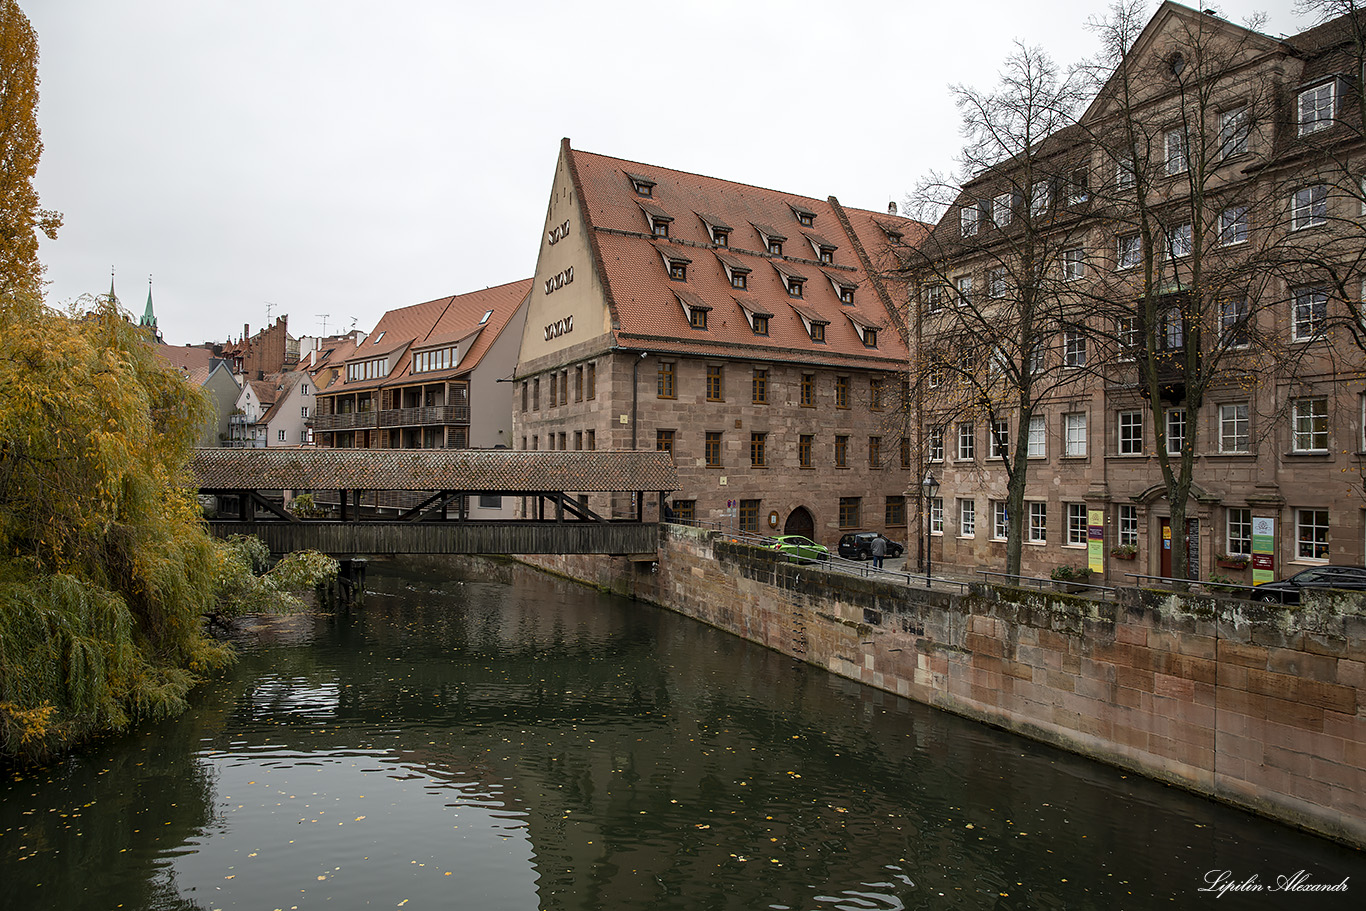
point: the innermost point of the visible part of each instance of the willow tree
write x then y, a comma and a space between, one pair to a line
20, 148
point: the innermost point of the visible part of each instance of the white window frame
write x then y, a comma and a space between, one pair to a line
1037, 526
1309, 424
1309, 207
1238, 530
1176, 430
1074, 434
1040, 198
1308, 312
1176, 159
1073, 348
1126, 177
1076, 525
936, 515
1128, 251
1234, 131
1130, 432
1000, 524
967, 441
968, 218
998, 283
963, 285
1180, 241
1311, 534
934, 444
1233, 324
999, 444
967, 518
1126, 334
1233, 226
1127, 524
1316, 107
1002, 209
1038, 437
1073, 263
1234, 427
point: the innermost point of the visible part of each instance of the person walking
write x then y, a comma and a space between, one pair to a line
879, 549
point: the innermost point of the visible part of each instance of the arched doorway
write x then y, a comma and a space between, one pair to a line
799, 522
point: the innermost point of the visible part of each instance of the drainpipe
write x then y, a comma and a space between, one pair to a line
635, 394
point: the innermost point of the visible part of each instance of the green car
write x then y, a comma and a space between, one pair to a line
800, 549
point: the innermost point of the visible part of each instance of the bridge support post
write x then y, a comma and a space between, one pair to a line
351, 581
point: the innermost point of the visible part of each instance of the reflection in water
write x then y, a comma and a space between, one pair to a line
525, 743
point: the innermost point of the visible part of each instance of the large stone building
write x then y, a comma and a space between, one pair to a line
1168, 288
743, 329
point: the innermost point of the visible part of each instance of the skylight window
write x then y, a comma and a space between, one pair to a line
487, 314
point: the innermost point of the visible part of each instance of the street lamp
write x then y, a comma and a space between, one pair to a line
931, 488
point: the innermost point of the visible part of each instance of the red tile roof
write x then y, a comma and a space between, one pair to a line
643, 296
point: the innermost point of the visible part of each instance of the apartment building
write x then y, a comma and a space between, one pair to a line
745, 330
1163, 296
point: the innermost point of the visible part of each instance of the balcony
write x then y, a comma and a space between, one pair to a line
426, 416
356, 420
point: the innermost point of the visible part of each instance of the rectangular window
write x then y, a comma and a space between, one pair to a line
934, 444
1000, 525
1076, 524
1126, 334
591, 439
1038, 523
1040, 198
749, 515
1130, 432
1073, 348
760, 325
875, 395
1073, 263
841, 451
934, 298
967, 518
1233, 427
1235, 126
697, 318
578, 383
1233, 324
713, 450
525, 389
967, 441
1128, 250
759, 387
1316, 108
895, 511
1239, 531
554, 389
1309, 207
1233, 225
1176, 430
714, 383
303, 411
1000, 439
666, 389
562, 441
564, 387
808, 390
937, 515
905, 452
841, 392
757, 456
664, 440
1311, 534
1179, 241
1001, 209
1309, 313
804, 443
849, 512
1074, 434
967, 220
1125, 175
1310, 424
818, 332
1038, 435
280, 436
1173, 329
591, 381
1128, 526
578, 441
875, 452
490, 501
997, 283
1078, 187
1177, 161
536, 394
964, 287
685, 510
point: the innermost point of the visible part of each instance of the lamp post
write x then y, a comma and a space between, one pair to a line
931, 488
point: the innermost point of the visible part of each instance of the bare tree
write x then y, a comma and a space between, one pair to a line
992, 282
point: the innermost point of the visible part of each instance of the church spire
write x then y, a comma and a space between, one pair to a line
149, 318
112, 297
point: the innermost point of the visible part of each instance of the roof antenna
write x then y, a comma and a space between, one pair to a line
324, 317
269, 306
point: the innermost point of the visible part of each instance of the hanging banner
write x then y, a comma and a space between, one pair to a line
1263, 550
1095, 540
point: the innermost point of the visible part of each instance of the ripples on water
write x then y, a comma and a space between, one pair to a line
525, 743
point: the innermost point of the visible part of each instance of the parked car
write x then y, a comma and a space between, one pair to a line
800, 549
859, 546
1287, 591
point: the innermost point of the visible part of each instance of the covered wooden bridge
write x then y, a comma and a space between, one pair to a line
415, 501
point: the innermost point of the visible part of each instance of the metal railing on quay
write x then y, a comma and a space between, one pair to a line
1041, 583
1233, 589
829, 560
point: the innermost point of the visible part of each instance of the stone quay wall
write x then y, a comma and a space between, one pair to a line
1259, 706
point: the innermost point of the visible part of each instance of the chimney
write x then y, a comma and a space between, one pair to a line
891, 208
246, 332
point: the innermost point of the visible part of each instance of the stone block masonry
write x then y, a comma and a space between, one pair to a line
1261, 707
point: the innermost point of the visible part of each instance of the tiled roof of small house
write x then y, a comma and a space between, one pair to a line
646, 299
432, 469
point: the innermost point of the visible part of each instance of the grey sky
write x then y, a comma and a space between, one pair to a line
313, 157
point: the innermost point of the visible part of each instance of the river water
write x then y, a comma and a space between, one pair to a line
483, 736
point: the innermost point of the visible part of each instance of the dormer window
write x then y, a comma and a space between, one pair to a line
739, 280
869, 337
694, 308
773, 241
736, 271
721, 238
675, 263
812, 321
1317, 107
805, 217
678, 271
846, 295
818, 332
643, 185
824, 249
697, 318
657, 218
794, 288
718, 230
828, 256
844, 286
775, 247
659, 227
792, 280
760, 324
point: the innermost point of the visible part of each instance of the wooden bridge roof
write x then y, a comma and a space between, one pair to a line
503, 470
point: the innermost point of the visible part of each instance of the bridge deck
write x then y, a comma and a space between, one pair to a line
378, 538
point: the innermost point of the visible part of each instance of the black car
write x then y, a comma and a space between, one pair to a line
1287, 591
860, 546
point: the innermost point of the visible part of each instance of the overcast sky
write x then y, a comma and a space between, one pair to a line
331, 160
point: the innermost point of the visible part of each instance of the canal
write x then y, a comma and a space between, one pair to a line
483, 736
